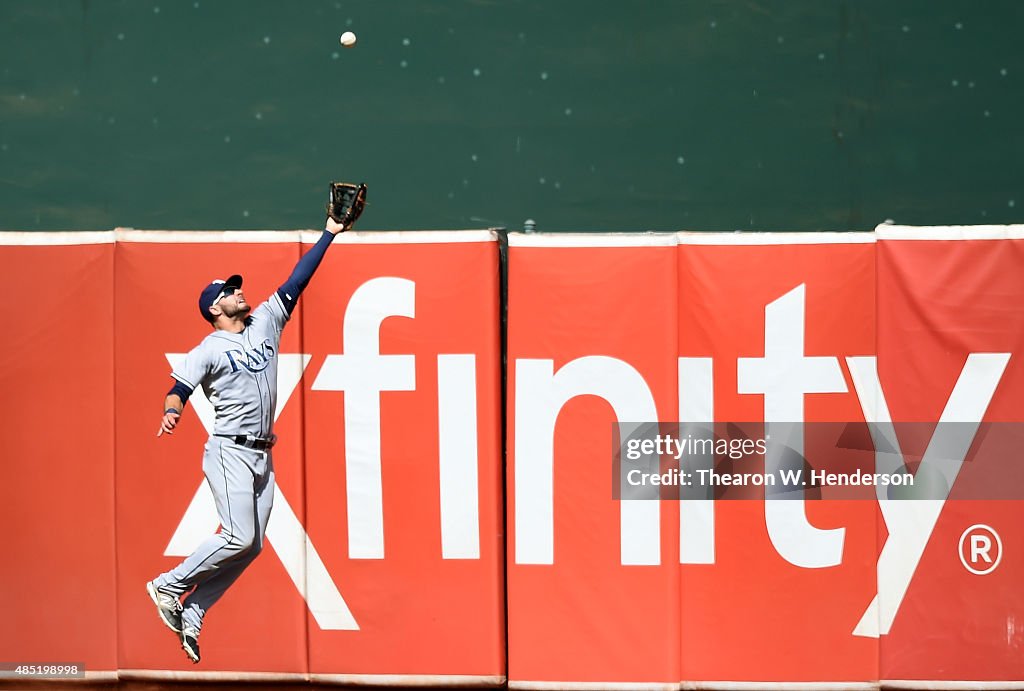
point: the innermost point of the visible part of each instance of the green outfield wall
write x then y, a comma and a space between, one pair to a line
626, 116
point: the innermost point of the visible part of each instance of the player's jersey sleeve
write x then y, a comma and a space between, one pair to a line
272, 314
196, 367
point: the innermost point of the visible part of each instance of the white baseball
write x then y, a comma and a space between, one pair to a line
348, 39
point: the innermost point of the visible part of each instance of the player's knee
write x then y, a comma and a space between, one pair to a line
251, 548
241, 543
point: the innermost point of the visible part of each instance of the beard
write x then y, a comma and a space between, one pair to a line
236, 310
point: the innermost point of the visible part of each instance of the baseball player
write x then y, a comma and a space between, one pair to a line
237, 367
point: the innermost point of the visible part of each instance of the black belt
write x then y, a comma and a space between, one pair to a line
250, 442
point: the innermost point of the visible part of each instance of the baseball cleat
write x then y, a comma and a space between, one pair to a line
167, 606
190, 643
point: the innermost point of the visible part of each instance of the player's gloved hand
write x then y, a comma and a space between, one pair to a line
345, 204
168, 423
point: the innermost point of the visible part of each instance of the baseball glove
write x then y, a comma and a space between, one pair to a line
346, 202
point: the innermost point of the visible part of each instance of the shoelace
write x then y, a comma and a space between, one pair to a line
169, 601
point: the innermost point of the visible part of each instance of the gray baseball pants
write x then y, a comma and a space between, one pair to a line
242, 482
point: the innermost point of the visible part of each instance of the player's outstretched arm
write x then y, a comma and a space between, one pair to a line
291, 289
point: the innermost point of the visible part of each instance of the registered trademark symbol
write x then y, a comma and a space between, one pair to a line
981, 549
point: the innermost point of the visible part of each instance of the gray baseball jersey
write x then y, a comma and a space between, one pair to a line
238, 372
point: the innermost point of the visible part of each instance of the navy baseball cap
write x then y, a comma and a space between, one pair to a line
212, 292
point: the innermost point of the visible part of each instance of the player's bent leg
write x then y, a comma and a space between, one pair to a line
209, 591
232, 484
248, 525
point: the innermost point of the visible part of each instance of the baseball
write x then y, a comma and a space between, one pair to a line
348, 39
